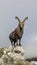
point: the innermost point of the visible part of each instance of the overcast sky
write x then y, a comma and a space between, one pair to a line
21, 8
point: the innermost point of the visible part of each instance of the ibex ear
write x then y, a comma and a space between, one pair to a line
25, 19
17, 18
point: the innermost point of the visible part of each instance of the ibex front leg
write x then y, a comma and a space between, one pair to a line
19, 42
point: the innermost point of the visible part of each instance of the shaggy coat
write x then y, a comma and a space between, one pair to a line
17, 33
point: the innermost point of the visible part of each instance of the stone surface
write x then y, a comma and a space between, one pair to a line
17, 53
11, 52
19, 49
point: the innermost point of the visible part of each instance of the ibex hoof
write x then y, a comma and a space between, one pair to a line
17, 44
20, 45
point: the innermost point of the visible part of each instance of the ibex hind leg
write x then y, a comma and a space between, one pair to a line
12, 42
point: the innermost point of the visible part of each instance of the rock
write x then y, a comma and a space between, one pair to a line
17, 53
1, 60
11, 52
8, 49
18, 49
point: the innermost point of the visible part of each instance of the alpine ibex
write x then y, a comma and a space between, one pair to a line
18, 32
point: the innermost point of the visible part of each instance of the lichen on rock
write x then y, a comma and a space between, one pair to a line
11, 55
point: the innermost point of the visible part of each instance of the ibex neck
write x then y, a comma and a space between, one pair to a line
21, 29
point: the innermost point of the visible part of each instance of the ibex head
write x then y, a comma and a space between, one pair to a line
21, 23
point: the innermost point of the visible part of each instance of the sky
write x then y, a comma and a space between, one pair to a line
21, 8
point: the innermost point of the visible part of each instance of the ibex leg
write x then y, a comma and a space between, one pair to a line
19, 42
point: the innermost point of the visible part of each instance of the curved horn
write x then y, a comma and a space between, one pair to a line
17, 18
25, 19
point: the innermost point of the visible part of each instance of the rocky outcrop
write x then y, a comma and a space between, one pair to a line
17, 53
12, 53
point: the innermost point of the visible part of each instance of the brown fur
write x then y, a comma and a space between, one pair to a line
18, 32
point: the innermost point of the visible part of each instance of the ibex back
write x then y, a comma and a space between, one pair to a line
18, 32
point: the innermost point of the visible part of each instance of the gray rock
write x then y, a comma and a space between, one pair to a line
17, 53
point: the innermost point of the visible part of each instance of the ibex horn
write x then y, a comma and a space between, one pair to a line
25, 19
17, 18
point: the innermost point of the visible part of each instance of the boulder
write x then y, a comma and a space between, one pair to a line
12, 53
17, 53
